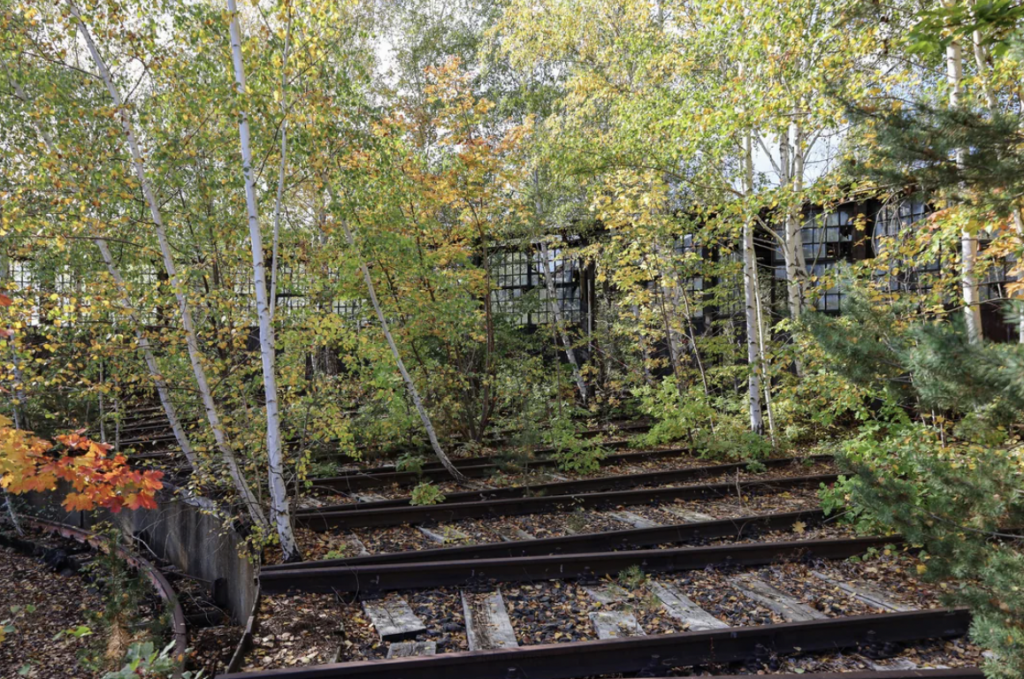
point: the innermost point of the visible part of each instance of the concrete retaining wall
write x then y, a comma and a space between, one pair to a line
183, 534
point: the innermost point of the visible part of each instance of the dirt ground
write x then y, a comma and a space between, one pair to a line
61, 602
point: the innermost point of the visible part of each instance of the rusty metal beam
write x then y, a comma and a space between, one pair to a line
604, 483
471, 467
609, 541
443, 513
650, 655
376, 578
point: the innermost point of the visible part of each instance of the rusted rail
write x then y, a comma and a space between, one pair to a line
163, 588
478, 467
397, 516
651, 655
604, 483
954, 673
249, 632
376, 578
609, 541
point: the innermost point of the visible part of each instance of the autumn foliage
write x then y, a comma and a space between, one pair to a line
29, 463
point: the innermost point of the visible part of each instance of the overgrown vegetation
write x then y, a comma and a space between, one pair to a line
938, 458
765, 227
426, 494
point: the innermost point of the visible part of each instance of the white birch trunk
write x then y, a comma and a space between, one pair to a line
410, 386
644, 351
17, 389
275, 265
750, 299
792, 165
968, 242
20, 418
549, 285
1018, 225
191, 341
154, 371
280, 512
765, 378
666, 299
981, 61
693, 340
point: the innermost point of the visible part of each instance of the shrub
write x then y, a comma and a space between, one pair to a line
143, 660
632, 577
426, 494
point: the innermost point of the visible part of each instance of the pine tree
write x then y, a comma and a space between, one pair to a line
939, 458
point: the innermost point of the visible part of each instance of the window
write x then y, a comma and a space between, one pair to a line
894, 225
517, 274
827, 240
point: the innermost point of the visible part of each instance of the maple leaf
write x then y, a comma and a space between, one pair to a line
5, 300
78, 502
799, 527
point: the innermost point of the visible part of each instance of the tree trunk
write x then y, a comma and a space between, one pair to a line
644, 350
163, 392
191, 341
147, 352
274, 264
1018, 225
981, 61
549, 285
968, 242
20, 418
750, 299
280, 512
792, 165
765, 375
410, 386
673, 342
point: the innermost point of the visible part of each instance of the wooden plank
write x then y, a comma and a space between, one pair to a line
393, 619
607, 594
634, 520
447, 536
869, 594
614, 624
891, 665
680, 607
487, 623
790, 608
687, 515
409, 649
516, 535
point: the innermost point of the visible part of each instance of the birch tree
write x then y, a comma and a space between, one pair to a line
410, 385
968, 240
751, 303
281, 515
547, 268
162, 389
195, 354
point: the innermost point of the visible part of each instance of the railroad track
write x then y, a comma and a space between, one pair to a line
357, 516
601, 483
697, 591
472, 467
163, 588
